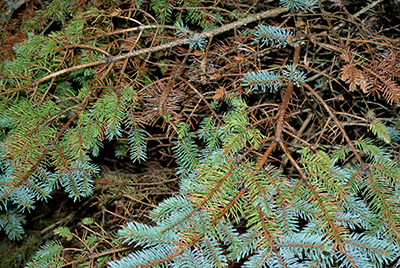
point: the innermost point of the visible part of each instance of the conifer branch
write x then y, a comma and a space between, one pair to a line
209, 34
389, 213
282, 112
250, 191
210, 194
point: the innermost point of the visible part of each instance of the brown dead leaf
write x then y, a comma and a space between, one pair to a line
353, 76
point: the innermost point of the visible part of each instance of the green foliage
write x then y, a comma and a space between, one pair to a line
49, 255
267, 171
163, 10
265, 79
11, 221
266, 201
267, 34
137, 139
185, 149
64, 232
296, 5
196, 41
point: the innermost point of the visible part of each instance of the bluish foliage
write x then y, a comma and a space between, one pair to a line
296, 5
197, 41
237, 201
262, 80
267, 34
265, 79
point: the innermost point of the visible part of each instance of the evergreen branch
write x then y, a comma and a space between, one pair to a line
281, 114
337, 232
148, 257
389, 213
11, 221
267, 235
193, 259
261, 258
262, 79
227, 233
49, 255
210, 194
142, 234
246, 245
228, 207
137, 139
262, 190
213, 252
333, 202
209, 34
380, 130
36, 164
272, 34
297, 5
